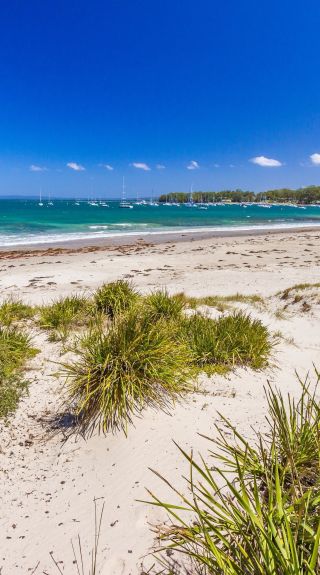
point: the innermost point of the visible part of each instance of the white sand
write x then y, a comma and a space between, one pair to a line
48, 486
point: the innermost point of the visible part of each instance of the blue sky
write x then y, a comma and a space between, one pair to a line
123, 87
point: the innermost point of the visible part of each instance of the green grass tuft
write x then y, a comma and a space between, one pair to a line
118, 372
14, 310
160, 305
15, 350
234, 339
115, 298
63, 315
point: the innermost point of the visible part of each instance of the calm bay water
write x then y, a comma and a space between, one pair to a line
24, 222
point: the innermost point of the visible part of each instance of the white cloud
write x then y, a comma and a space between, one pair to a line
265, 162
107, 167
315, 159
193, 165
141, 166
160, 167
216, 165
76, 167
34, 168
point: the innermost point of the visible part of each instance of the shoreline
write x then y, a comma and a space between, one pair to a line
86, 245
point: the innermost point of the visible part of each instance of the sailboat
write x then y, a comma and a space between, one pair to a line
50, 203
103, 203
202, 205
40, 203
166, 203
152, 202
93, 203
139, 202
124, 203
190, 203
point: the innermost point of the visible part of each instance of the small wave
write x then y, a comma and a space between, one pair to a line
34, 239
98, 227
129, 225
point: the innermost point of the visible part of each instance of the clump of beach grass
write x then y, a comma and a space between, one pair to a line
15, 350
233, 339
64, 314
115, 298
161, 305
15, 310
146, 351
120, 371
253, 507
150, 354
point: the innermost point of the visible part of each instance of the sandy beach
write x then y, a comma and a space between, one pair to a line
48, 484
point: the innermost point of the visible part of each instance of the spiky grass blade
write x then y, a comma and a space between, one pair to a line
263, 518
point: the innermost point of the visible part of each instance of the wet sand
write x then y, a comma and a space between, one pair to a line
100, 244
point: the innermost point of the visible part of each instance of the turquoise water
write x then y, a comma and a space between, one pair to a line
24, 222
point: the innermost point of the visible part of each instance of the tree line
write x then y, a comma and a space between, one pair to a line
307, 195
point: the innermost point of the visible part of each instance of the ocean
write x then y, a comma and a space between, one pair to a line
24, 222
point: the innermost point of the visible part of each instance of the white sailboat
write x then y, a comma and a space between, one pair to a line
152, 202
139, 202
202, 204
190, 203
40, 203
166, 203
103, 203
124, 203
